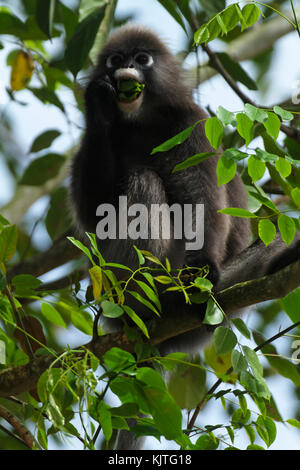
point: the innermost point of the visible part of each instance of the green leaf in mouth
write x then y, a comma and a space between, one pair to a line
129, 90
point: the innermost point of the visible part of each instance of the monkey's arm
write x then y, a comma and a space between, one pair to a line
93, 173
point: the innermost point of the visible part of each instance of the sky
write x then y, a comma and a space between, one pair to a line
31, 120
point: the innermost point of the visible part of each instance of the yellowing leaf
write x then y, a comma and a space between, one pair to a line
21, 72
220, 363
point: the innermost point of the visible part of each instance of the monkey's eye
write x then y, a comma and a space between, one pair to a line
114, 60
143, 58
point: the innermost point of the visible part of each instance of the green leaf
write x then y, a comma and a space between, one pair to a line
230, 433
238, 212
44, 140
266, 231
272, 125
256, 385
243, 403
253, 361
176, 140
10, 24
285, 367
250, 433
294, 422
111, 310
285, 115
140, 256
103, 411
263, 199
235, 70
245, 127
80, 44
287, 228
214, 132
256, 168
266, 428
255, 114
3, 222
171, 8
250, 14
42, 169
241, 327
8, 243
239, 363
25, 284
254, 447
82, 247
146, 430
163, 279
225, 116
165, 412
143, 301
290, 303
235, 154
192, 161
201, 35
45, 95
117, 359
222, 24
52, 315
230, 16
203, 284
207, 442
295, 194
187, 385
58, 218
150, 293
265, 156
136, 319
151, 377
283, 167
127, 410
240, 418
82, 321
226, 170
224, 340
44, 15
2, 286
213, 315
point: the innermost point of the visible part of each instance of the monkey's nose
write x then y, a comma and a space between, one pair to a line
130, 64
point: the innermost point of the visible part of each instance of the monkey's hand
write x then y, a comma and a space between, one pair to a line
101, 100
206, 263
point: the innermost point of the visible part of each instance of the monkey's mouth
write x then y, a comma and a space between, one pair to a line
129, 90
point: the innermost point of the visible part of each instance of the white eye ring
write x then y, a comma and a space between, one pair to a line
143, 58
114, 60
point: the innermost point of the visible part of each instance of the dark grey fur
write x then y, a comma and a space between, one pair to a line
114, 158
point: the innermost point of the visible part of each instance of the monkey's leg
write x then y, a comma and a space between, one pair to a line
144, 192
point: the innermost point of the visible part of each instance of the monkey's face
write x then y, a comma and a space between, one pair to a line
141, 76
128, 71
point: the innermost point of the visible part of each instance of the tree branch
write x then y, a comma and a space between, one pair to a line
21, 430
58, 254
